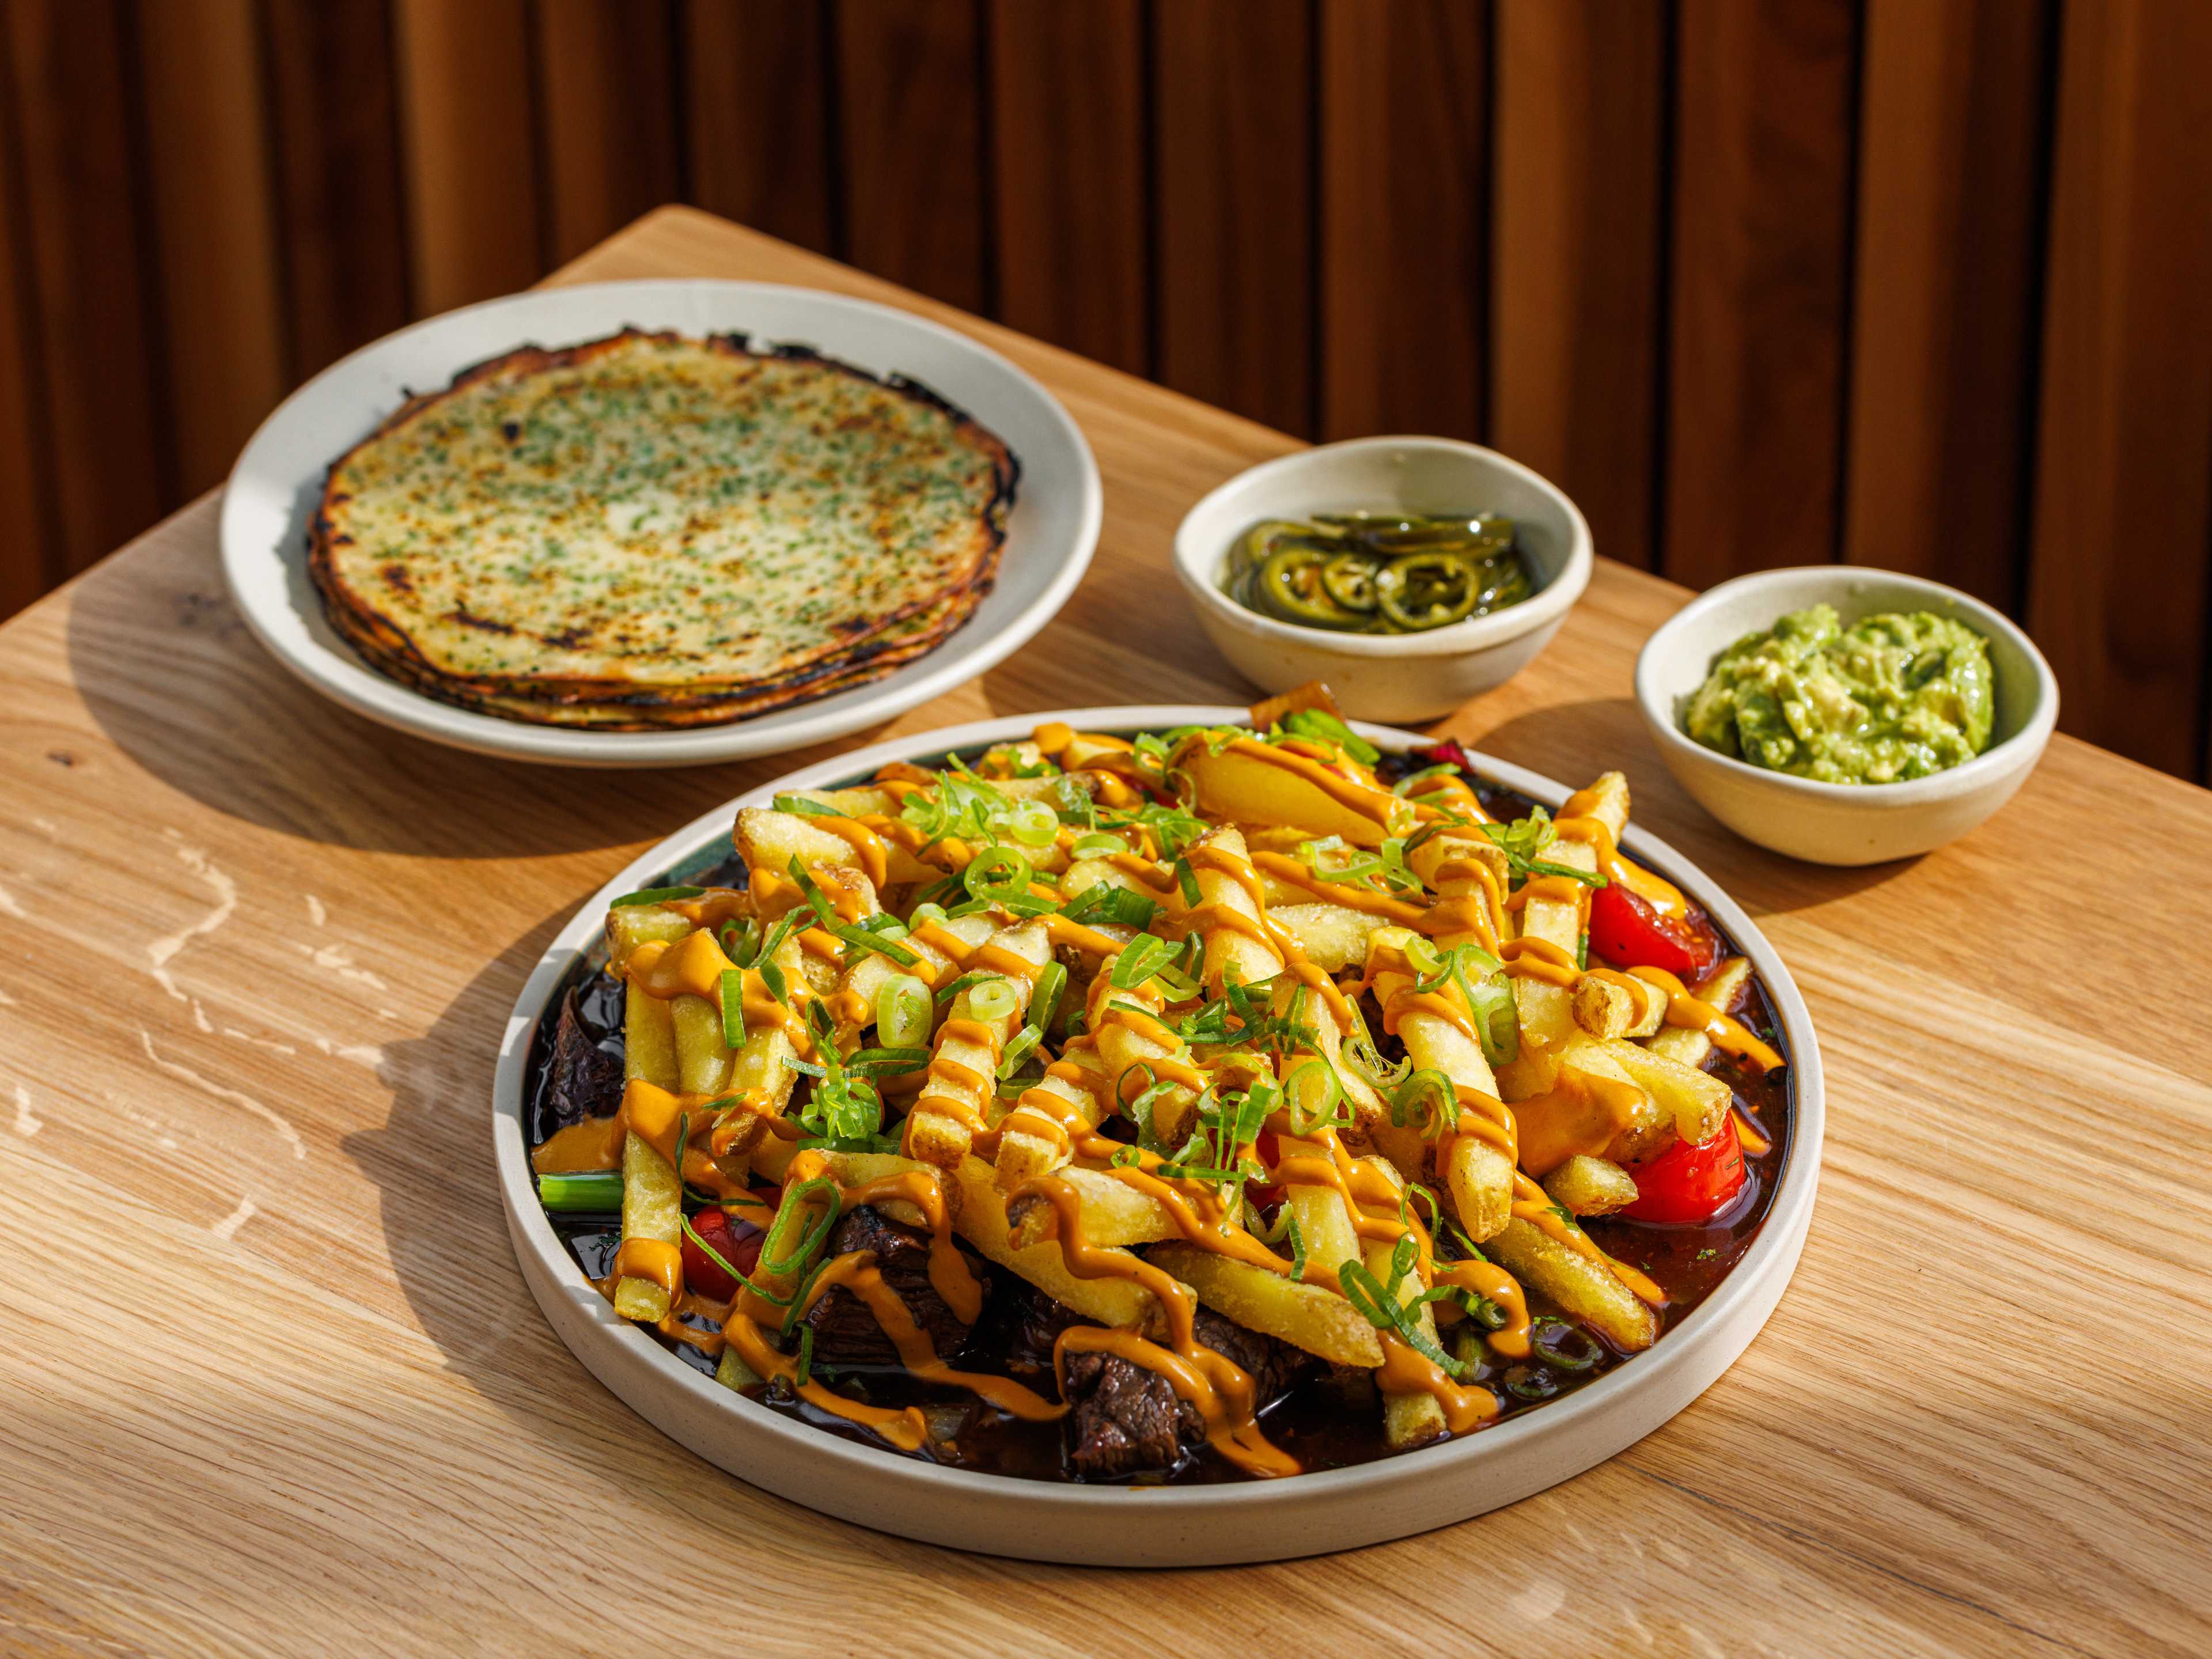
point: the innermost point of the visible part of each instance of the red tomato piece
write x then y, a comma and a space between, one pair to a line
738, 1243
1629, 934
1689, 1184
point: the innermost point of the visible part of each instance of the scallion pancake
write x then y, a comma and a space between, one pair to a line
652, 530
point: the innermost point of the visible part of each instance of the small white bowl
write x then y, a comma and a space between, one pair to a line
1846, 824
1388, 676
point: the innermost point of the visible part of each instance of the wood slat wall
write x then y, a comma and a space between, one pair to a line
1918, 283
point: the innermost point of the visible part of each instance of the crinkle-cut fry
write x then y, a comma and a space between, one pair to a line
962, 1084
1334, 937
1720, 989
980, 1217
1622, 1007
1307, 1316
1591, 1185
652, 1208
1480, 1175
1696, 1101
1022, 1154
1113, 1212
1585, 1288
1230, 950
1410, 1419
629, 926
1122, 1049
703, 1058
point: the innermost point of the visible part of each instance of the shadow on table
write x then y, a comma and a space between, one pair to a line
432, 1161
1573, 742
174, 679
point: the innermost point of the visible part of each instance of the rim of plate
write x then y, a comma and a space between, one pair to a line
270, 492
1188, 1525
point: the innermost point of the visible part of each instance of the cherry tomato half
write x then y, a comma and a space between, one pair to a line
738, 1243
1687, 1184
1629, 934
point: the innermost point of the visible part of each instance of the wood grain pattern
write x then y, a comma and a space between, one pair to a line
84, 233
1403, 227
344, 222
315, 1395
469, 124
909, 99
756, 95
2123, 496
1071, 241
604, 69
1948, 275
1233, 142
215, 220
1760, 270
1578, 255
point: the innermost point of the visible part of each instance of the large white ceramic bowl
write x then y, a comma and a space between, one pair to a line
277, 483
1844, 824
1182, 1526
1387, 677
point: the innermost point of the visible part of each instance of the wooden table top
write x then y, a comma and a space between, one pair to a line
273, 1376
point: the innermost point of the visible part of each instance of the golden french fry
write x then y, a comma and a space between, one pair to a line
1585, 1289
1304, 1315
1697, 1103
961, 1087
1022, 1154
1334, 937
1591, 1185
1607, 1006
1240, 788
1720, 987
1230, 950
703, 1058
980, 1215
629, 926
1415, 1418
1114, 1212
652, 1208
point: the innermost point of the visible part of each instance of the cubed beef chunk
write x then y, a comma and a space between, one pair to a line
845, 1328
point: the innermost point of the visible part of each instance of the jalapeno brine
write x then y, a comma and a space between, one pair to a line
1376, 573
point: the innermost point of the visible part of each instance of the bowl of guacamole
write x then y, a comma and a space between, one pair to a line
1844, 715
1893, 697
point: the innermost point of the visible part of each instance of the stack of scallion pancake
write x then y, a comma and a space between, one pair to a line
651, 532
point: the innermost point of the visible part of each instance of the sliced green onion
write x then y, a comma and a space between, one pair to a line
895, 1062
733, 1007
778, 1263
1138, 961
1044, 996
996, 875
1186, 882
1497, 1019
1423, 958
1312, 1094
1098, 845
600, 1190
902, 1011
655, 896
1033, 823
1543, 1341
1404, 785
1428, 1102
1018, 1049
867, 939
805, 808
992, 998
922, 913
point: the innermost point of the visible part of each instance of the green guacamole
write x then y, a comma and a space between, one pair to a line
1890, 697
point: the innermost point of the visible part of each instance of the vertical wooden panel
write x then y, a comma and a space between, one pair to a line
757, 109
214, 217
1234, 148
1068, 157
1760, 263
910, 96
2123, 497
343, 224
30, 546
1577, 255
467, 122
88, 255
1403, 237
1948, 269
607, 77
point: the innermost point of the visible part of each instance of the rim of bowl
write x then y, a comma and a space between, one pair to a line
1547, 605
1657, 703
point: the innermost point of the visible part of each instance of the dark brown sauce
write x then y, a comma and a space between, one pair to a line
1325, 1424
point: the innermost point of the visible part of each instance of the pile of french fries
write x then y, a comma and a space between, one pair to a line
1212, 1018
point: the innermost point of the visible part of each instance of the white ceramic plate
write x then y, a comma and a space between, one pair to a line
1199, 1525
277, 483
